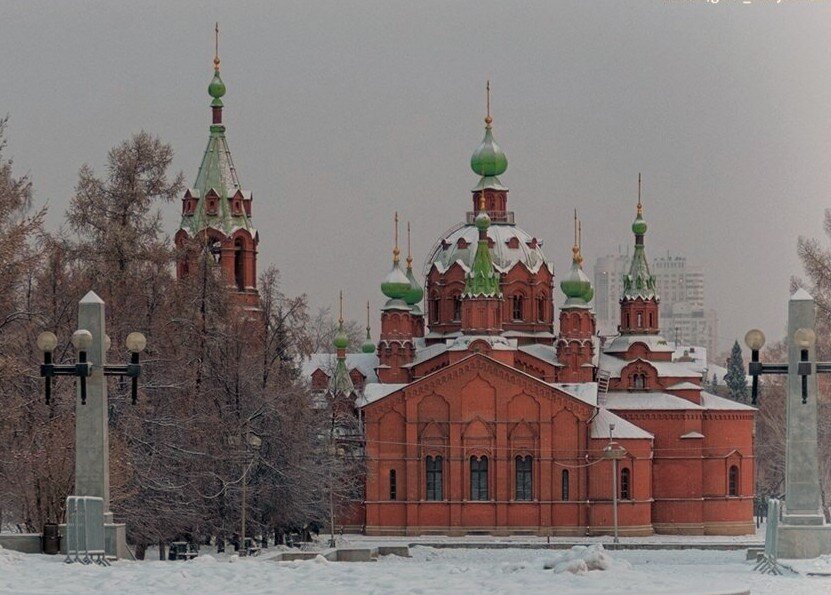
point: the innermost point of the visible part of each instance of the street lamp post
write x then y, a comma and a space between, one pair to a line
803, 532
614, 452
250, 442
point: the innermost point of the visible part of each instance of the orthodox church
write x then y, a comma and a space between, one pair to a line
480, 415
216, 212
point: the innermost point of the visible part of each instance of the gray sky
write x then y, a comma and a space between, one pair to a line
341, 112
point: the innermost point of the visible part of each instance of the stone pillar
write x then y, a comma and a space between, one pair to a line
92, 443
803, 532
92, 440
803, 501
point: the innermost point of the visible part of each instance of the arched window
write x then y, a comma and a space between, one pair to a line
625, 484
434, 478
393, 485
639, 381
651, 320
457, 307
541, 308
518, 307
733, 481
239, 267
565, 495
478, 478
524, 478
627, 319
640, 320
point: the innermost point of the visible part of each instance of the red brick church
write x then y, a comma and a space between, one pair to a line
483, 415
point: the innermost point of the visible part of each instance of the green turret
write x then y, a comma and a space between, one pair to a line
576, 286
396, 285
639, 282
217, 175
341, 380
482, 280
488, 160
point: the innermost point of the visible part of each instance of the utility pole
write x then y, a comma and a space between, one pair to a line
614, 452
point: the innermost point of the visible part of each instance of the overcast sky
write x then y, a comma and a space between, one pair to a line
340, 113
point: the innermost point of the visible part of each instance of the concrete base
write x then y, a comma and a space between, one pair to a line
115, 541
26, 543
799, 542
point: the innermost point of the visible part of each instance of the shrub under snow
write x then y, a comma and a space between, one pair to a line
580, 559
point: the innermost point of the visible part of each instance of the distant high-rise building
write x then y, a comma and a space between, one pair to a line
680, 285
608, 283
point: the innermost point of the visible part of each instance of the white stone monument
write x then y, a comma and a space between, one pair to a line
92, 441
803, 532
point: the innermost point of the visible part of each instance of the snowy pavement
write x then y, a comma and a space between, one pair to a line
428, 571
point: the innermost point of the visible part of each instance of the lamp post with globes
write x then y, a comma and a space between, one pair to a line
803, 532
92, 467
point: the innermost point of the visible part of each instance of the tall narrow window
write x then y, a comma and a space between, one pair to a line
434, 478
517, 307
523, 478
733, 481
651, 320
239, 272
393, 485
640, 320
541, 308
434, 309
478, 478
625, 484
565, 486
457, 307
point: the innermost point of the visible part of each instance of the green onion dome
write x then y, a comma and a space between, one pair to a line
341, 340
577, 284
217, 88
415, 293
488, 159
368, 346
639, 226
395, 285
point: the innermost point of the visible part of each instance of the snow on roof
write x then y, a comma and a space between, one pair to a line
546, 353
645, 400
684, 386
375, 391
614, 365
623, 429
496, 342
584, 391
622, 343
364, 362
427, 353
692, 435
711, 401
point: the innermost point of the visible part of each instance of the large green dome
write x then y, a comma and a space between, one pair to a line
488, 159
395, 285
577, 284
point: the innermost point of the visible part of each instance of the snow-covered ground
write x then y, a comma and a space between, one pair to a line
457, 571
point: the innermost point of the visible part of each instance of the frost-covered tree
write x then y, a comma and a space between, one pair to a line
736, 377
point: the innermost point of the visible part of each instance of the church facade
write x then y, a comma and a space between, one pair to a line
479, 413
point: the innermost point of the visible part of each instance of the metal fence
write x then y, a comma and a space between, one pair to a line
85, 530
